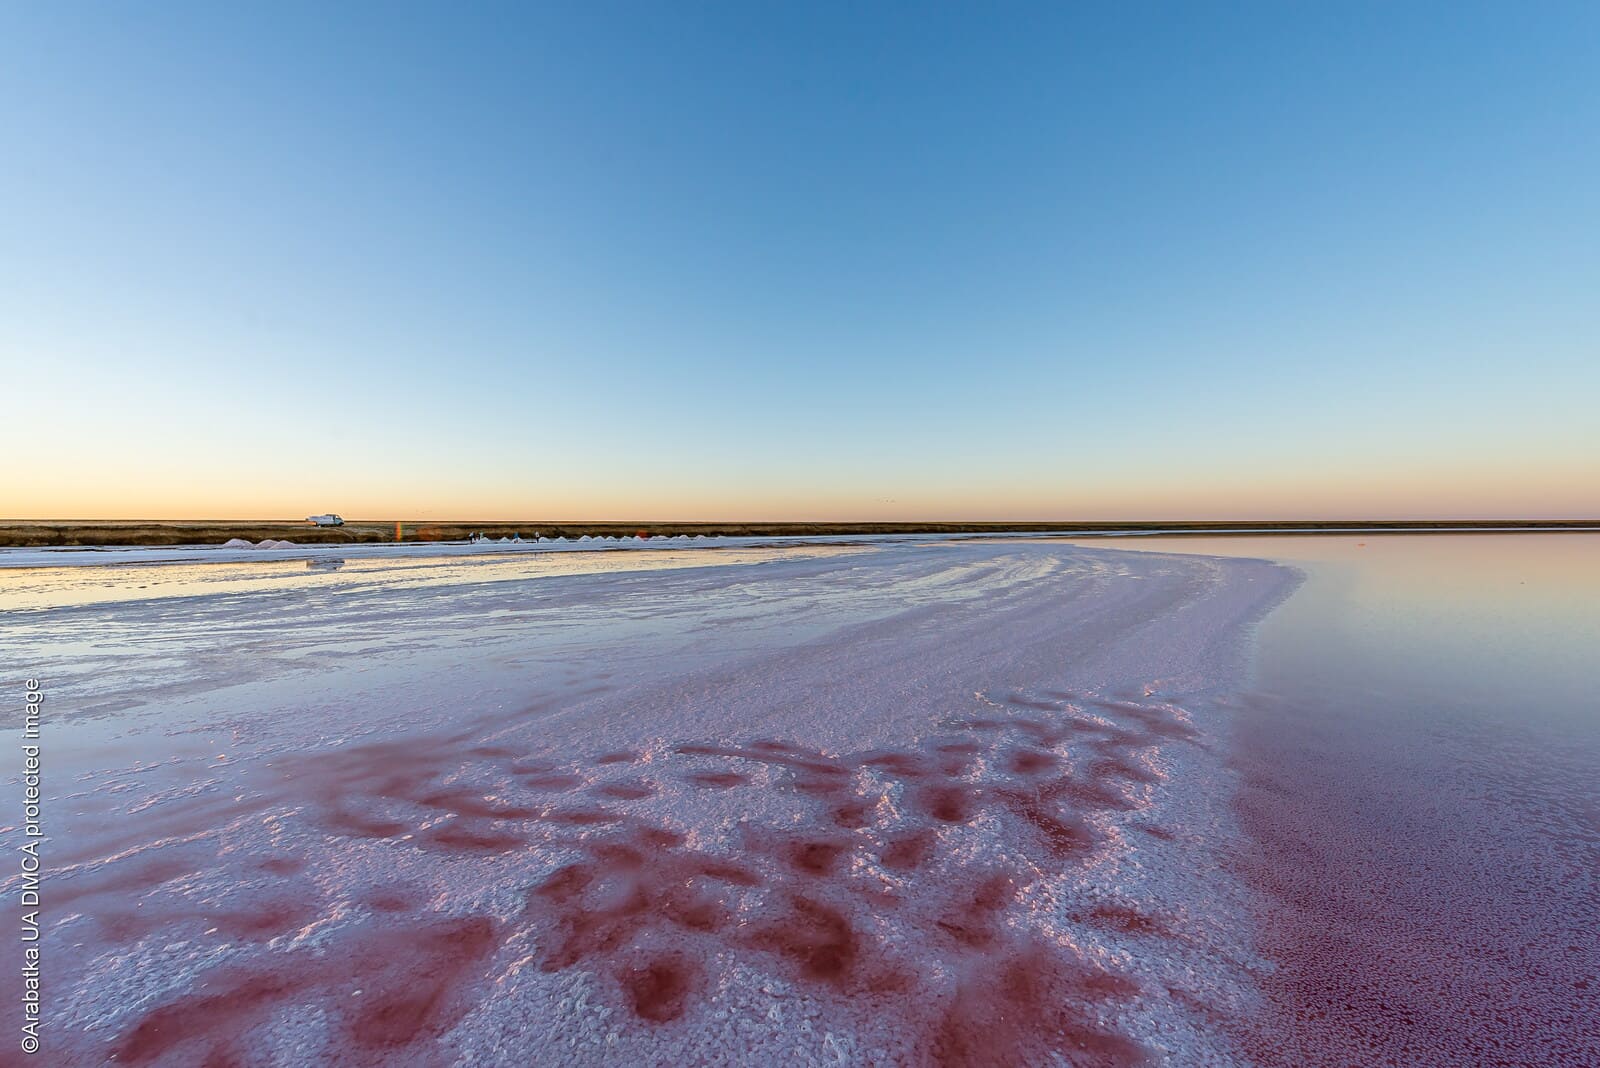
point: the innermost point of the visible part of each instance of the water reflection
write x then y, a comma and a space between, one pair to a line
1496, 617
1417, 787
44, 588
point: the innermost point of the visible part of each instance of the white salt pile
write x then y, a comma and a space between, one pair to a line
979, 831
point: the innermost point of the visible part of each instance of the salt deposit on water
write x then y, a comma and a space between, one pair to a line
942, 803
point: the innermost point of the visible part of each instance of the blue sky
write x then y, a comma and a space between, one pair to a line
801, 261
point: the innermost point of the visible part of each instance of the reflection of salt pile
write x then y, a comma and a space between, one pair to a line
265, 543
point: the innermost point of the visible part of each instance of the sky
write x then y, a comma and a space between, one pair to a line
800, 261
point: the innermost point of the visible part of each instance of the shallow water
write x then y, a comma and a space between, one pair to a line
1421, 791
328, 571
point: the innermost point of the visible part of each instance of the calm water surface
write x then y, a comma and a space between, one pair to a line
109, 583
1421, 769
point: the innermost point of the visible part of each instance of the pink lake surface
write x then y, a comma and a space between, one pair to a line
1419, 790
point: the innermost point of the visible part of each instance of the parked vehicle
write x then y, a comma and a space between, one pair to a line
329, 520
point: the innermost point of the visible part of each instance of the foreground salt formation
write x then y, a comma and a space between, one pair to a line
921, 804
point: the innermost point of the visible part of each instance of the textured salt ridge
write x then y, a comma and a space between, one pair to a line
891, 880
1005, 885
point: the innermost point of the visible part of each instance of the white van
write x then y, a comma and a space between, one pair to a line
329, 520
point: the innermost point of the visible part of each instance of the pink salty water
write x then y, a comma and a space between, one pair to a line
1420, 792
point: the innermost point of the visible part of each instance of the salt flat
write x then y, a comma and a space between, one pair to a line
917, 801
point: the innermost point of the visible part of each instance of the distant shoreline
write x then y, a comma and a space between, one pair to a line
92, 533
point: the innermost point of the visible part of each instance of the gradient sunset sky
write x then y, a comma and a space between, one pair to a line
800, 261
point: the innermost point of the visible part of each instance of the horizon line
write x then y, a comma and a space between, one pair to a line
1097, 523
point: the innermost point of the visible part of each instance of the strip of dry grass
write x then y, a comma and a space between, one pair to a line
174, 532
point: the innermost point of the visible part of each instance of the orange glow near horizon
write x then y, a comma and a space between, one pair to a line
1552, 497
156, 480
